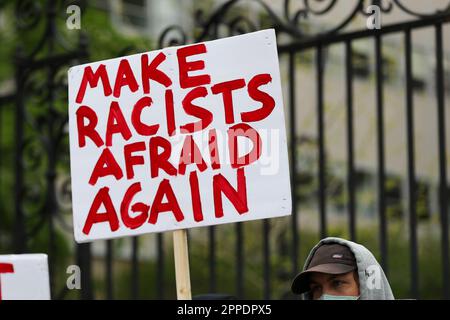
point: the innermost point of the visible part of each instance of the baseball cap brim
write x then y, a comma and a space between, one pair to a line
301, 281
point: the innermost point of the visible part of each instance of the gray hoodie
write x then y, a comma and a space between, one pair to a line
373, 284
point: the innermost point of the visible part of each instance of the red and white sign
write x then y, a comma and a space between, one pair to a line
24, 277
178, 138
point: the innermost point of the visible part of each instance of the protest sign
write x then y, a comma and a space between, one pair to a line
157, 139
178, 138
24, 277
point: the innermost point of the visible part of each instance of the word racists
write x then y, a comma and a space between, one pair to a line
171, 139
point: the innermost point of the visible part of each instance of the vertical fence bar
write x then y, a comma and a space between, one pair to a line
83, 250
109, 270
50, 175
51, 205
411, 164
3, 105
380, 153
135, 269
1, 169
350, 152
160, 266
442, 161
19, 221
4, 164
212, 259
321, 140
293, 155
266, 259
239, 261
84, 262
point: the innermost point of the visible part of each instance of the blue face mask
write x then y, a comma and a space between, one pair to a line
331, 297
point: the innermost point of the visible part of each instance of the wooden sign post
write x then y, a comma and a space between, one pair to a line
183, 278
178, 138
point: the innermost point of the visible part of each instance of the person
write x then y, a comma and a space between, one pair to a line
338, 269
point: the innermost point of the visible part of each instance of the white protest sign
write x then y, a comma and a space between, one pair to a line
178, 138
24, 277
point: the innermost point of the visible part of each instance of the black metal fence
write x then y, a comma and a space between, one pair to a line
40, 137
405, 28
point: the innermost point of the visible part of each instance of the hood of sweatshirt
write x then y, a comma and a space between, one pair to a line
373, 284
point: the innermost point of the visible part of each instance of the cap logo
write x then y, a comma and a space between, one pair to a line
337, 256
